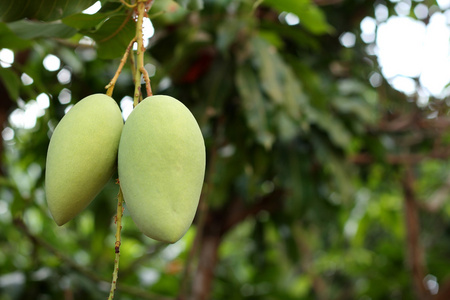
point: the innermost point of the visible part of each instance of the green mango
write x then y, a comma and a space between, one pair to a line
161, 166
82, 155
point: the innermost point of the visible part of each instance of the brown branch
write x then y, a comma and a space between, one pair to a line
237, 211
201, 221
413, 121
414, 249
404, 158
319, 285
126, 289
217, 224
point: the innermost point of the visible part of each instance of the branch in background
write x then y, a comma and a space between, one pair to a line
126, 289
217, 224
201, 221
238, 211
400, 159
307, 261
150, 253
415, 252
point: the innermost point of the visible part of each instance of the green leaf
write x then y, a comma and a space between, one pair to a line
269, 66
87, 22
11, 41
166, 12
34, 29
279, 82
113, 36
311, 17
191, 4
44, 10
11, 81
254, 105
337, 132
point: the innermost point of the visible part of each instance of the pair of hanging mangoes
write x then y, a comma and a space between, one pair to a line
159, 153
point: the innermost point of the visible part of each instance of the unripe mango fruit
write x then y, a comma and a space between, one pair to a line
161, 166
82, 155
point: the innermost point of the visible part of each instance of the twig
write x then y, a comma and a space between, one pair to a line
127, 4
147, 81
117, 244
112, 83
414, 248
129, 290
141, 8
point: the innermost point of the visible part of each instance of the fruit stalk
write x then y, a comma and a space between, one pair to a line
112, 83
140, 70
118, 222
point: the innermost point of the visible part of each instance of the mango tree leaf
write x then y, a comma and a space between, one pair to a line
44, 10
11, 82
311, 17
336, 131
87, 22
254, 105
191, 4
279, 82
266, 62
165, 12
34, 29
113, 36
11, 41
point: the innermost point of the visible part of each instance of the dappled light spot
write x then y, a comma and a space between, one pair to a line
443, 4
400, 43
8, 134
26, 79
148, 31
126, 104
64, 76
43, 101
375, 79
51, 63
6, 58
65, 96
381, 13
93, 8
405, 84
368, 29
151, 70
431, 283
87, 41
347, 39
148, 276
292, 19
66, 110
421, 11
403, 8
25, 118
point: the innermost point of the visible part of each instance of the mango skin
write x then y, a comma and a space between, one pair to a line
161, 166
82, 155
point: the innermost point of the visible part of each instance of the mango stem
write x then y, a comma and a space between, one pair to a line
112, 83
142, 5
118, 221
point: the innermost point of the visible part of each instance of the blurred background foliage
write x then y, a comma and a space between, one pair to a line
323, 181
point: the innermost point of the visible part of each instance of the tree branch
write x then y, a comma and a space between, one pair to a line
404, 158
130, 290
414, 248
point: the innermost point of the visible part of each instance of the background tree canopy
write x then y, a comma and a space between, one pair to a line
322, 181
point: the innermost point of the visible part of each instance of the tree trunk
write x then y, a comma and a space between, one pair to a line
416, 260
203, 278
